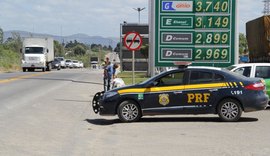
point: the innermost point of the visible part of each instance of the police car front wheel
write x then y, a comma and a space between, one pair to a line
229, 110
129, 111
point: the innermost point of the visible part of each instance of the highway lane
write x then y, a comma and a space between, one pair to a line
41, 114
50, 114
17, 89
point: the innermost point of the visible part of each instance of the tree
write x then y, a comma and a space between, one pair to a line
144, 50
58, 49
117, 48
110, 48
105, 47
1, 36
243, 45
79, 50
70, 45
15, 42
93, 46
96, 47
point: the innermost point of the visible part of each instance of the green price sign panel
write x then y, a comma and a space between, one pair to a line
200, 31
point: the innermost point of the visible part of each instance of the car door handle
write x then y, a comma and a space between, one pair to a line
178, 92
213, 90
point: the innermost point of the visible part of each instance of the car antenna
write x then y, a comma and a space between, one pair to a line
182, 65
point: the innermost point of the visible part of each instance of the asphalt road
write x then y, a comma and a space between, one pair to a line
49, 114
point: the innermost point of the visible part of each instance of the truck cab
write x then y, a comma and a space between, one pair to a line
38, 53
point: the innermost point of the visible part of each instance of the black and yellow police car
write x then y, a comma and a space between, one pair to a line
191, 90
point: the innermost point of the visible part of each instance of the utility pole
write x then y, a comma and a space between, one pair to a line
139, 12
266, 10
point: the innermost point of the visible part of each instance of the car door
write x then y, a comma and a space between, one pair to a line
263, 71
201, 91
166, 94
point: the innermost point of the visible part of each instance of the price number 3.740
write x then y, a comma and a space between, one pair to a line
212, 6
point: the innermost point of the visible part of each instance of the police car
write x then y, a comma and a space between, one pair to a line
191, 90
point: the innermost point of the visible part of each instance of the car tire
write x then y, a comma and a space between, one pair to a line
49, 67
229, 110
129, 111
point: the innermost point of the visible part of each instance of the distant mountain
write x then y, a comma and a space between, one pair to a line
82, 38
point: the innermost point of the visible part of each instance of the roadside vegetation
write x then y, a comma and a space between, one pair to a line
10, 56
9, 60
127, 77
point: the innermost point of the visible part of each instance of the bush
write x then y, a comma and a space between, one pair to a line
9, 60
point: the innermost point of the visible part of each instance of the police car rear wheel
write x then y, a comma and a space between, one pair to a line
229, 110
129, 111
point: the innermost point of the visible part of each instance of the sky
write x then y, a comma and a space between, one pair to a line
91, 17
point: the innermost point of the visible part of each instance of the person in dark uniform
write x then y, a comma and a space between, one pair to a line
110, 74
105, 75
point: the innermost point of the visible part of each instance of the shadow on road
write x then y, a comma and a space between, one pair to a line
74, 81
102, 122
105, 122
72, 100
192, 119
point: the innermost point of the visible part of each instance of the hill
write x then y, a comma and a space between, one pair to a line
83, 38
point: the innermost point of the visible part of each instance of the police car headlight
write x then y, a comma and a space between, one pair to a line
109, 94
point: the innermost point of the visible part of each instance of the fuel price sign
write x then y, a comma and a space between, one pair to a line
200, 31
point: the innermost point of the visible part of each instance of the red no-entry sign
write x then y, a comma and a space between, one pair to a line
133, 41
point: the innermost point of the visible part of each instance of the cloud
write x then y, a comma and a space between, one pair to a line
249, 10
81, 16
93, 17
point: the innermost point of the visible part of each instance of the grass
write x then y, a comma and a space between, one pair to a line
127, 77
9, 60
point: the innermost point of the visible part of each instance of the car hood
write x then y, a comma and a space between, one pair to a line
126, 87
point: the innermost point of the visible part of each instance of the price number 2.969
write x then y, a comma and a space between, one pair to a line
214, 54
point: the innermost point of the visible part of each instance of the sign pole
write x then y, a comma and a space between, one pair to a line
133, 41
133, 66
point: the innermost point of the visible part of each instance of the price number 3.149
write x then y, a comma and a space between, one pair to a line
212, 21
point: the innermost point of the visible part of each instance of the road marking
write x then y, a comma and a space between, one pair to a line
21, 77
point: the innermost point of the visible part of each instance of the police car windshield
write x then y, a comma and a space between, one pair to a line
152, 78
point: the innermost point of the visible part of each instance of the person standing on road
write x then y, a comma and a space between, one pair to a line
111, 74
105, 74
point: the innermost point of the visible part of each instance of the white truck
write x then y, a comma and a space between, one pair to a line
38, 53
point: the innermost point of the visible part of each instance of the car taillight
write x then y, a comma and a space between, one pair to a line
255, 86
